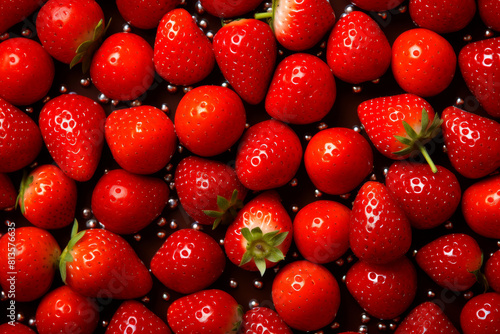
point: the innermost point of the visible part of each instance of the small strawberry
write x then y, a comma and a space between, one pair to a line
145, 14
8, 193
229, 8
442, 16
302, 90
15, 11
481, 314
263, 320
489, 10
377, 5
183, 55
261, 234
492, 271
133, 317
426, 318
472, 142
357, 49
15, 328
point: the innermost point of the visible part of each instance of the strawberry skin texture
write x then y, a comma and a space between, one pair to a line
262, 320
209, 120
481, 314
492, 271
426, 318
8, 193
183, 55
377, 5
302, 90
229, 8
142, 139
357, 49
132, 317
126, 203
245, 51
16, 328
145, 14
14, 11
489, 10
472, 142
306, 295
442, 16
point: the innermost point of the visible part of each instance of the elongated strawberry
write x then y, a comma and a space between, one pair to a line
15, 11
229, 8
489, 10
15, 328
145, 14
261, 320
492, 271
377, 5
442, 16
481, 314
8, 193
134, 316
426, 318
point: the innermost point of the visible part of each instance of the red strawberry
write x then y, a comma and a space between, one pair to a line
472, 142
36, 256
321, 231
479, 64
492, 271
442, 16
229, 8
133, 317
188, 261
245, 51
357, 49
423, 62
209, 120
377, 5
261, 234
268, 156
489, 10
8, 193
183, 55
126, 203
452, 261
428, 199
379, 231
302, 90
15, 328
66, 311
27, 71
142, 139
481, 314
263, 320
426, 318
337, 160
48, 197
15, 11
306, 295
145, 14
207, 311
72, 127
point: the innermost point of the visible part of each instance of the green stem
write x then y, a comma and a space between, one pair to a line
261, 16
426, 156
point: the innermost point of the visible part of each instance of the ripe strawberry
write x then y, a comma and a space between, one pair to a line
302, 90
321, 231
261, 234
208, 190
383, 290
357, 49
47, 197
426, 318
145, 14
306, 295
377, 5
472, 142
423, 62
209, 120
229, 8
207, 311
15, 328
489, 10
125, 203
8, 193
141, 139
428, 199
268, 156
99, 263
15, 11
133, 317
188, 261
479, 64
64, 310
337, 160
492, 271
26, 73
452, 261
72, 127
263, 320
481, 314
183, 55
379, 231
245, 51
442, 16
33, 265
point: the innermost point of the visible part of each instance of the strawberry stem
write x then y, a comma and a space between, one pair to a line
227, 209
426, 156
262, 16
66, 254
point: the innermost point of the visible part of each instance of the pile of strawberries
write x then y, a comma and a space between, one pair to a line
302, 145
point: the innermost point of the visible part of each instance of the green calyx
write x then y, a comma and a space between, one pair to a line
66, 254
416, 141
262, 247
480, 277
269, 16
237, 323
25, 183
227, 209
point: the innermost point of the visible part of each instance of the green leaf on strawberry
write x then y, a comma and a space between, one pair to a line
25, 182
227, 209
66, 254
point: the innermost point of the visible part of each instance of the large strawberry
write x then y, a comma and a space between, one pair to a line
492, 271
15, 11
377, 5
133, 317
426, 318
442, 16
15, 327
8, 193
262, 320
481, 314
489, 10
145, 14
229, 8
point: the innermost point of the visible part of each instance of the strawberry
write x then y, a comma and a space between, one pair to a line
428, 199
442, 16
133, 317
15, 11
452, 261
379, 231
26, 73
207, 311
423, 62
302, 90
426, 318
481, 314
126, 203
245, 51
261, 234
15, 328
489, 10
492, 271
188, 261
377, 5
209, 120
64, 310
183, 55
145, 14
47, 197
72, 127
8, 193
268, 155
208, 190
142, 139
479, 64
321, 231
99, 263
472, 142
306, 295
35, 253
262, 320
229, 8
337, 160
357, 49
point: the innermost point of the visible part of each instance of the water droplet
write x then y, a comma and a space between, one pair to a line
3, 296
196, 226
349, 8
258, 284
29, 110
319, 53
173, 203
104, 323
253, 303
165, 108
3, 37
34, 164
356, 89
20, 317
172, 89
467, 38
247, 125
137, 237
126, 28
203, 23
335, 325
199, 8
385, 170
91, 223
63, 89
168, 177
195, 18
381, 326
294, 182
87, 213
403, 9
225, 84
114, 103
171, 185
221, 242
169, 167
365, 318
376, 81
431, 294
233, 284
317, 193
165, 296
343, 279
445, 149
373, 177
459, 101
162, 222
498, 243
103, 98
339, 262
350, 258
32, 322
183, 2
85, 82
295, 208
363, 329
136, 103
46, 99
295, 255
187, 89
322, 126
488, 33
276, 269
161, 234
173, 224
393, 326
268, 5
383, 15
323, 45
180, 149
210, 34
468, 295
448, 225
145, 299
26, 32
280, 52
414, 253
